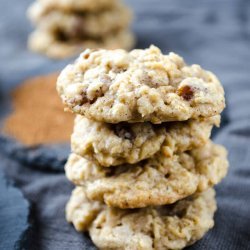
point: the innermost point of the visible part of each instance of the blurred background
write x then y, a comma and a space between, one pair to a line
212, 33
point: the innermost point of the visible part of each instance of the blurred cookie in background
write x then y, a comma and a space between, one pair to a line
65, 29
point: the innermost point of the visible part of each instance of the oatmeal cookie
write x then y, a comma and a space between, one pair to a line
77, 25
59, 47
42, 7
164, 227
80, 210
144, 85
115, 144
156, 181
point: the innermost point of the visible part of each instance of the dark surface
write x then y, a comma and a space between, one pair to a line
215, 34
14, 210
42, 157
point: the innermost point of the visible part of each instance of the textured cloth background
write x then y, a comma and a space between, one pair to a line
213, 33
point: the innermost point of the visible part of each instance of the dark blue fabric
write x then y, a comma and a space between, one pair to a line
213, 33
14, 211
52, 157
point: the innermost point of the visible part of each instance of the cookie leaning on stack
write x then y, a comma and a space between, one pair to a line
142, 158
65, 28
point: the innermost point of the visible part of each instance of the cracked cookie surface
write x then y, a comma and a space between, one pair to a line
156, 181
115, 144
144, 85
164, 227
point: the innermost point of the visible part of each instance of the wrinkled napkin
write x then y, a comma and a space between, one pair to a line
215, 34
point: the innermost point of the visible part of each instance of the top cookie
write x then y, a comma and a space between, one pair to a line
143, 85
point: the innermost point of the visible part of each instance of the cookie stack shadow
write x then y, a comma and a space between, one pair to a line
144, 177
64, 28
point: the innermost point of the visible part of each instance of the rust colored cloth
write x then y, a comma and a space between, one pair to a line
38, 115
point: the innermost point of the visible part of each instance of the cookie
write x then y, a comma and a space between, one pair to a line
156, 181
42, 7
58, 48
115, 144
164, 227
80, 210
77, 25
144, 85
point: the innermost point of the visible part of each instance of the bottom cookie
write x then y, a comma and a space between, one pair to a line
49, 44
163, 227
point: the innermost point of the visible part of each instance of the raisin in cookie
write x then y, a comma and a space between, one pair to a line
164, 227
58, 47
156, 181
115, 144
76, 25
144, 85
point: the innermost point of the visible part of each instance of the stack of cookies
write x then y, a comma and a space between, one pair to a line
66, 27
142, 159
